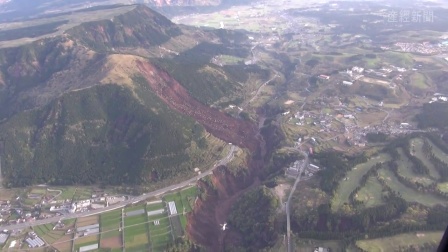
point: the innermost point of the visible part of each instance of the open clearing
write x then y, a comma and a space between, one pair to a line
353, 179
417, 144
86, 240
407, 193
64, 243
135, 231
85, 221
443, 187
403, 240
405, 169
160, 234
111, 242
110, 223
439, 153
370, 194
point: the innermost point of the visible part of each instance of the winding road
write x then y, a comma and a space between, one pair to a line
122, 204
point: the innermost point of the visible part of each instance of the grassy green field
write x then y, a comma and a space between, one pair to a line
354, 177
393, 243
407, 193
439, 153
398, 59
417, 144
443, 187
110, 223
405, 169
47, 233
70, 192
370, 194
136, 231
133, 208
86, 240
155, 206
159, 235
418, 80
184, 199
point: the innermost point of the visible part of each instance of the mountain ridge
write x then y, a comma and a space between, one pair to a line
76, 111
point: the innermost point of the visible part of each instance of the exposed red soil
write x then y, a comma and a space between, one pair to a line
203, 224
221, 125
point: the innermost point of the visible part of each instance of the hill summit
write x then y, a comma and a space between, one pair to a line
121, 100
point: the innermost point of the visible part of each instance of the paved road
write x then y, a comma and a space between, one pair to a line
185, 183
288, 210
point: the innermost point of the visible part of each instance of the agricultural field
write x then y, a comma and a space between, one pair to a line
86, 240
64, 243
110, 224
160, 235
85, 221
353, 179
396, 242
47, 233
136, 231
184, 199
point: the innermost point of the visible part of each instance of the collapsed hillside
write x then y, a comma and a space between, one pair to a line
225, 127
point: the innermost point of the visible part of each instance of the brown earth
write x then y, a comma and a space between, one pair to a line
112, 242
203, 224
64, 243
219, 124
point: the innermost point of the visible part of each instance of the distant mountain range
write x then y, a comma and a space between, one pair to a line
14, 10
99, 104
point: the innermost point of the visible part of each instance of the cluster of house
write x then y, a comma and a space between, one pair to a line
96, 202
422, 48
438, 97
21, 216
386, 75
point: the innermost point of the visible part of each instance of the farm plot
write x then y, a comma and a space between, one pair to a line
407, 193
353, 179
136, 232
49, 235
159, 231
394, 243
188, 197
405, 169
177, 198
155, 206
111, 236
86, 240
176, 225
86, 221
64, 243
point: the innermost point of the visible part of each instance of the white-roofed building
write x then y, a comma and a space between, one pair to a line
89, 247
172, 207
